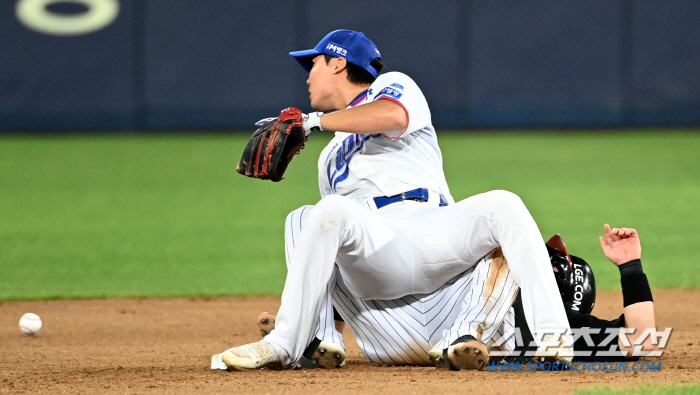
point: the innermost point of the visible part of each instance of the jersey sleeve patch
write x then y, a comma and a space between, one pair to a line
390, 91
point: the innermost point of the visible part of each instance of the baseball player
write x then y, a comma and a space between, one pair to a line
402, 331
414, 330
386, 225
623, 248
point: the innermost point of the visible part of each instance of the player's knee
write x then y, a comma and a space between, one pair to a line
332, 203
503, 198
298, 217
503, 202
300, 213
332, 211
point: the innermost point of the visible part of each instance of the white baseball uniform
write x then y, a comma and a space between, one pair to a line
407, 247
402, 331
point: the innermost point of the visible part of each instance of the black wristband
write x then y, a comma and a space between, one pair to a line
633, 266
635, 288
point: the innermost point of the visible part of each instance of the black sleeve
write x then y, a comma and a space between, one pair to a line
594, 343
582, 344
578, 320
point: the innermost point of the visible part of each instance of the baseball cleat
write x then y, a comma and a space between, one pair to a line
266, 323
551, 350
256, 355
468, 354
329, 355
436, 356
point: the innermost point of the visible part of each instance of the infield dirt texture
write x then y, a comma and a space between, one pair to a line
164, 346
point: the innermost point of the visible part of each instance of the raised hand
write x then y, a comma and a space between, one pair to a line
621, 245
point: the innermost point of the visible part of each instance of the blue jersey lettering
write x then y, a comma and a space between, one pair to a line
337, 167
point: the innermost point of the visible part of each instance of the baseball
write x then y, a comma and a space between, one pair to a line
30, 324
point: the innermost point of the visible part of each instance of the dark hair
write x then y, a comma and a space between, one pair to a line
358, 75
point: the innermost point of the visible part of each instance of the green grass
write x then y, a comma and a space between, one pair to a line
673, 389
104, 216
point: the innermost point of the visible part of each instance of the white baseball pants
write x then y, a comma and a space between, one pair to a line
409, 248
402, 331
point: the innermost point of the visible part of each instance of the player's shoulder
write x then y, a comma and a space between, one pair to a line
393, 77
394, 85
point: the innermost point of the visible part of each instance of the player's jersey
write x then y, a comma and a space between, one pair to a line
363, 166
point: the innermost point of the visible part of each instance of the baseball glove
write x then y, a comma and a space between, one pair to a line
273, 146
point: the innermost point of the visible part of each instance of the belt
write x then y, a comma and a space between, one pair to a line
419, 195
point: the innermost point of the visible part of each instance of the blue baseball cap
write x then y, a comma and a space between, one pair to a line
355, 47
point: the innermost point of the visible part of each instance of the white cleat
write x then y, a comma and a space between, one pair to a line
256, 355
468, 355
329, 355
436, 357
552, 349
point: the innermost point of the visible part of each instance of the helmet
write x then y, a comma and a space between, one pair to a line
574, 277
583, 297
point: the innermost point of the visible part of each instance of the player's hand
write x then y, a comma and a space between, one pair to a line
312, 122
621, 245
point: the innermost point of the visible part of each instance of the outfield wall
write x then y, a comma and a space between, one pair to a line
220, 64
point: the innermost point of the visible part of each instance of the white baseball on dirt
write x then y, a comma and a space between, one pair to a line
30, 324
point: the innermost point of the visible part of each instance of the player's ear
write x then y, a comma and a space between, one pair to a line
339, 64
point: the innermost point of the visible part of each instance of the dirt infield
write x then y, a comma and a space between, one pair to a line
164, 346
